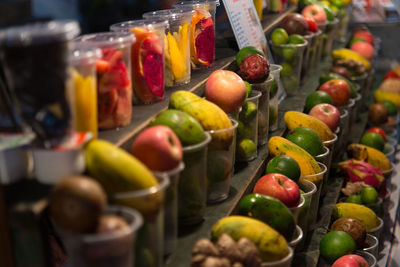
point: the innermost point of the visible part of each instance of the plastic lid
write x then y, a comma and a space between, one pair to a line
195, 2
126, 25
169, 14
39, 33
83, 52
107, 39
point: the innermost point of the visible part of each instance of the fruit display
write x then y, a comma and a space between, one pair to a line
328, 114
350, 260
307, 139
370, 155
336, 244
353, 227
339, 90
351, 210
285, 165
315, 98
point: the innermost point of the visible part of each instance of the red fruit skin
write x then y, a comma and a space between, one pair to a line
391, 75
280, 187
205, 41
364, 49
254, 69
226, 89
339, 90
158, 148
379, 131
367, 36
350, 261
328, 114
316, 12
312, 24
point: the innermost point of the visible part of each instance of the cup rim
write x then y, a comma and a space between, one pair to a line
333, 140
196, 147
125, 26
82, 52
26, 139
313, 191
278, 262
194, 3
379, 227
298, 237
303, 45
359, 77
363, 253
107, 39
323, 154
323, 171
234, 126
168, 14
358, 97
276, 67
302, 202
376, 242
388, 137
143, 192
391, 149
255, 94
350, 103
172, 172
346, 113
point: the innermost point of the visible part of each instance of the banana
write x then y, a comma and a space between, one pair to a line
380, 96
296, 119
347, 54
308, 166
370, 155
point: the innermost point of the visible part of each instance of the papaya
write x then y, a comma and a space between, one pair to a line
270, 243
356, 211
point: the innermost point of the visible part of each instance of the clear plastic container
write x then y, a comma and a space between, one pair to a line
297, 210
342, 134
329, 37
84, 88
310, 48
290, 57
147, 58
149, 249
273, 104
285, 262
36, 60
202, 31
176, 44
309, 190
192, 190
344, 19
352, 114
171, 208
314, 46
247, 132
320, 42
325, 158
297, 238
107, 249
114, 87
220, 162
373, 243
377, 230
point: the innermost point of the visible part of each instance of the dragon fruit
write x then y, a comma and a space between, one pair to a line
360, 171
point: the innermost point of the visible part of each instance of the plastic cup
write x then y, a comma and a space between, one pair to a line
84, 88
391, 140
36, 58
389, 152
325, 158
361, 81
318, 180
310, 48
290, 57
177, 44
150, 203
116, 59
314, 46
147, 58
343, 133
329, 36
220, 160
264, 109
344, 19
357, 107
193, 183
309, 189
352, 115
247, 132
298, 236
373, 243
297, 210
202, 44
171, 208
285, 262
370, 79
273, 100
371, 260
377, 230
104, 249
320, 42
332, 144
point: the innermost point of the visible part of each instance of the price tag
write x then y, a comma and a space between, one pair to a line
245, 24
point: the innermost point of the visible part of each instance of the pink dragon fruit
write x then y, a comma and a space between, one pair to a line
360, 171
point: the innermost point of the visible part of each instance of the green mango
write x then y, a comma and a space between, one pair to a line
331, 75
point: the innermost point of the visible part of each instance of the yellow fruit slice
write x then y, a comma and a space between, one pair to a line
183, 42
177, 60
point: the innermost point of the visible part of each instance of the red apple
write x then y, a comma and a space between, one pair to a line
366, 35
338, 89
158, 148
312, 24
328, 114
364, 49
351, 260
316, 12
379, 131
226, 89
279, 186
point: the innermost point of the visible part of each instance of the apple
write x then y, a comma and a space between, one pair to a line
158, 148
316, 12
328, 114
338, 89
312, 24
366, 35
364, 49
294, 23
351, 260
226, 89
279, 186
379, 131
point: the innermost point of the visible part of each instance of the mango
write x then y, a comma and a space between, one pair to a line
356, 211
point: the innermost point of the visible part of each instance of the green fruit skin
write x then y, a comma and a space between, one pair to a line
306, 139
354, 199
248, 88
296, 39
279, 36
336, 244
391, 107
246, 148
355, 40
316, 98
373, 140
246, 51
187, 128
249, 112
369, 195
332, 76
273, 89
271, 211
285, 165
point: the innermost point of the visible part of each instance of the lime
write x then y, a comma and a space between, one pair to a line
330, 16
369, 195
336, 244
248, 88
307, 139
246, 51
285, 165
337, 3
334, 9
289, 53
354, 199
290, 83
273, 114
286, 69
391, 107
249, 112
316, 98
374, 140
246, 148
243, 131
355, 40
273, 89
296, 39
279, 36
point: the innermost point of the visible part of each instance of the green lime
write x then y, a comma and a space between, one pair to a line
246, 148
243, 131
273, 89
273, 114
246, 51
373, 140
279, 36
354, 199
296, 39
369, 195
285, 165
307, 139
334, 9
355, 40
391, 107
316, 98
249, 112
248, 88
289, 53
330, 16
336, 244
337, 3
286, 69
290, 83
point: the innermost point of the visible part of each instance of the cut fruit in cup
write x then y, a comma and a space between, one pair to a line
202, 39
